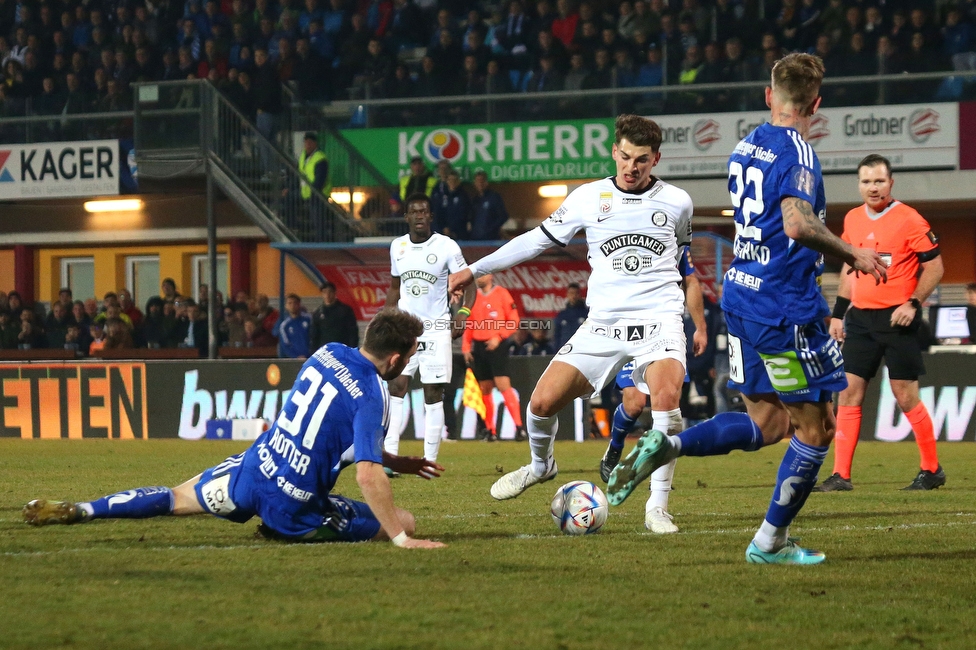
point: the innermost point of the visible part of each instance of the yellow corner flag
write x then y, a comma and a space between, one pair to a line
471, 397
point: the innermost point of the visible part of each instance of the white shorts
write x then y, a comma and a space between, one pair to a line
435, 358
599, 349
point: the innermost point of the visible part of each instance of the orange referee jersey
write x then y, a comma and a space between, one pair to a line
903, 239
493, 314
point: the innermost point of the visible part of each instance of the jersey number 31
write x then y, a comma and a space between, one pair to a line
302, 400
747, 205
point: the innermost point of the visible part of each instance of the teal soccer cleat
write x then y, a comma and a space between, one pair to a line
789, 554
650, 452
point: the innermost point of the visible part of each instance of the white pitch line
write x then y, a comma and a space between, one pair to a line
636, 533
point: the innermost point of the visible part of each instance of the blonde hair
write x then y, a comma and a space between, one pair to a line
797, 78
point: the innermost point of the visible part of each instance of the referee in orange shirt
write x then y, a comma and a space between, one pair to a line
883, 319
494, 318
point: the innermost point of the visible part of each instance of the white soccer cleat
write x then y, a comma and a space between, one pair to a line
658, 520
515, 483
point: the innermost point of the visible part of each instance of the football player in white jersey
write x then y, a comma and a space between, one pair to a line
636, 226
420, 262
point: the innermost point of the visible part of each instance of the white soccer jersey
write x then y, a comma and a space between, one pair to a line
423, 269
634, 241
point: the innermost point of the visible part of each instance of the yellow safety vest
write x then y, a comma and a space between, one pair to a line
307, 165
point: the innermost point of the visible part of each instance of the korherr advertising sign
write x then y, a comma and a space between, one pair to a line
912, 136
59, 169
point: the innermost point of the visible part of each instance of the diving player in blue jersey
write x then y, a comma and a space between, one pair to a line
657, 519
780, 354
335, 415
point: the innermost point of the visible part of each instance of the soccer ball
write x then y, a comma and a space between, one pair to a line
579, 508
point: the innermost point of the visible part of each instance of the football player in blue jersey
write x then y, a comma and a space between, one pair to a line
335, 415
657, 519
781, 357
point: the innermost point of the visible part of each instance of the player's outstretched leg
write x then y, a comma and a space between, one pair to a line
794, 481
720, 435
139, 503
542, 433
433, 429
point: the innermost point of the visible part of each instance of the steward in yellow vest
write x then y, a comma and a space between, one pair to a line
314, 165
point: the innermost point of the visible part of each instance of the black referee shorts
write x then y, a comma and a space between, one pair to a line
489, 364
870, 337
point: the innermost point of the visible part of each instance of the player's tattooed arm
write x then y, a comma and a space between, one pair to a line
801, 224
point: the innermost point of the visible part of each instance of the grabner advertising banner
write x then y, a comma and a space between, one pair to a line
912, 136
539, 288
59, 169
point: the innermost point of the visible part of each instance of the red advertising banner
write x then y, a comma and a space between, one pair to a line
539, 287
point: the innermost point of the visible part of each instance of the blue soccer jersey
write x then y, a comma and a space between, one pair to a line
335, 415
773, 280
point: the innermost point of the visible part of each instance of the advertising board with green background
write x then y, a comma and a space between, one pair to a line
525, 151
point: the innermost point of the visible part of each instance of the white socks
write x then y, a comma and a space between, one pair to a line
670, 422
433, 429
542, 433
396, 426
770, 538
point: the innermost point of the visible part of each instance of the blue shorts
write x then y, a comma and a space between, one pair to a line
234, 491
625, 378
797, 363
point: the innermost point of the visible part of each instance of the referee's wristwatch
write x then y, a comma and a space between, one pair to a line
916, 303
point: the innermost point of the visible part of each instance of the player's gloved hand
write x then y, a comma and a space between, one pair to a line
868, 261
837, 329
456, 282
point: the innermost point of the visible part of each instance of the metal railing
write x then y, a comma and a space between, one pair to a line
648, 100
22, 124
256, 168
368, 196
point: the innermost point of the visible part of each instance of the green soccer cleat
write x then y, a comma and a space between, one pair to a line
41, 512
789, 554
650, 452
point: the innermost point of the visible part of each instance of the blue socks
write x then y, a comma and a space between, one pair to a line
796, 478
622, 425
132, 504
723, 433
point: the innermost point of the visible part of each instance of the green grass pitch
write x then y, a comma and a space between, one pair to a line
900, 570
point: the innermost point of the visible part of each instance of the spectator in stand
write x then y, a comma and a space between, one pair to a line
489, 211
129, 308
334, 321
9, 331
56, 325
168, 289
266, 88
406, 26
267, 314
192, 330
156, 329
292, 329
31, 336
516, 36
571, 317
957, 37
118, 335
419, 180
256, 336
73, 341
14, 304
97, 338
564, 25
538, 344
453, 214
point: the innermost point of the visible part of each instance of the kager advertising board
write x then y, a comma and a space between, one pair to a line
59, 169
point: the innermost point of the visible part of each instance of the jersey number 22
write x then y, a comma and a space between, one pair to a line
747, 205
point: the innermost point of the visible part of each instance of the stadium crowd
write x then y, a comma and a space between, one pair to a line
62, 56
